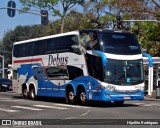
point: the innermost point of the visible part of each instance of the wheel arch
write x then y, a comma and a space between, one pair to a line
70, 86
80, 87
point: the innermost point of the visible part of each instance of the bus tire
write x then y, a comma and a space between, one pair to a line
119, 103
82, 97
32, 95
70, 98
25, 93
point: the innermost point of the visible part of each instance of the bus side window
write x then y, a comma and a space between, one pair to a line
95, 41
59, 72
74, 72
28, 50
90, 39
98, 68
95, 68
39, 47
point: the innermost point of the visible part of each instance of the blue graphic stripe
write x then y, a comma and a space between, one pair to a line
102, 55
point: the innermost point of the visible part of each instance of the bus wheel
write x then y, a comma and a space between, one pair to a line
32, 95
82, 97
70, 97
25, 93
118, 103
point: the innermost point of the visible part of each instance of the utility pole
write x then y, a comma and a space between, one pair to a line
119, 21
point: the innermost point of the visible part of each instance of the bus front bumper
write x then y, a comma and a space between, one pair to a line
112, 96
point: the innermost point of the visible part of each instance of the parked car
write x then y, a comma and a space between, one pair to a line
5, 84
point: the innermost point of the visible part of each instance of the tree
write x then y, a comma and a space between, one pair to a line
67, 5
50, 5
21, 33
95, 11
76, 21
148, 35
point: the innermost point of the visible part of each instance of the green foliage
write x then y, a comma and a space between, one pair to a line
40, 3
22, 33
148, 34
51, 6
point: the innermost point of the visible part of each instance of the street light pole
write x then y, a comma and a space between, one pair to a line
2, 65
141, 21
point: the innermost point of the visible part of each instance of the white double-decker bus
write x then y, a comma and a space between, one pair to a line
99, 65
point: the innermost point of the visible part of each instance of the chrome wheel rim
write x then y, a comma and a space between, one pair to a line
83, 96
71, 96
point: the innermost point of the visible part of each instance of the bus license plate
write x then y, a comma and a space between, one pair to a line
127, 98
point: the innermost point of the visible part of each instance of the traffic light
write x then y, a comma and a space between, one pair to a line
44, 17
11, 9
119, 21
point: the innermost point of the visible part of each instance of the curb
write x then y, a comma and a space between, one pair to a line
151, 99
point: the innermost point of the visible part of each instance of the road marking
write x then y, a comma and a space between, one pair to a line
45, 106
29, 108
72, 106
11, 100
139, 104
4, 98
73, 117
152, 104
147, 105
8, 110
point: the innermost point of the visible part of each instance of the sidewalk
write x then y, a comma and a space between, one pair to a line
148, 98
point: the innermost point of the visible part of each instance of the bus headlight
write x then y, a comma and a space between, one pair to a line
111, 88
108, 87
139, 87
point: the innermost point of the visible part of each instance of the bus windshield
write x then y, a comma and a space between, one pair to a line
119, 43
124, 72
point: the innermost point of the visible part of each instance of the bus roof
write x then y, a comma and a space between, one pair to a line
48, 37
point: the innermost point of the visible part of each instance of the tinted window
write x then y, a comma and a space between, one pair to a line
39, 47
57, 71
119, 43
90, 40
74, 72
21, 50
47, 46
95, 68
61, 44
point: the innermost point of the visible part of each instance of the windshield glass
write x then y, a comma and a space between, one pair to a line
124, 72
119, 43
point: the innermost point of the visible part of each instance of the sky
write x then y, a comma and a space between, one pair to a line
7, 23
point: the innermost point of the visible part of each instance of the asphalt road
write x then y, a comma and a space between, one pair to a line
52, 112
